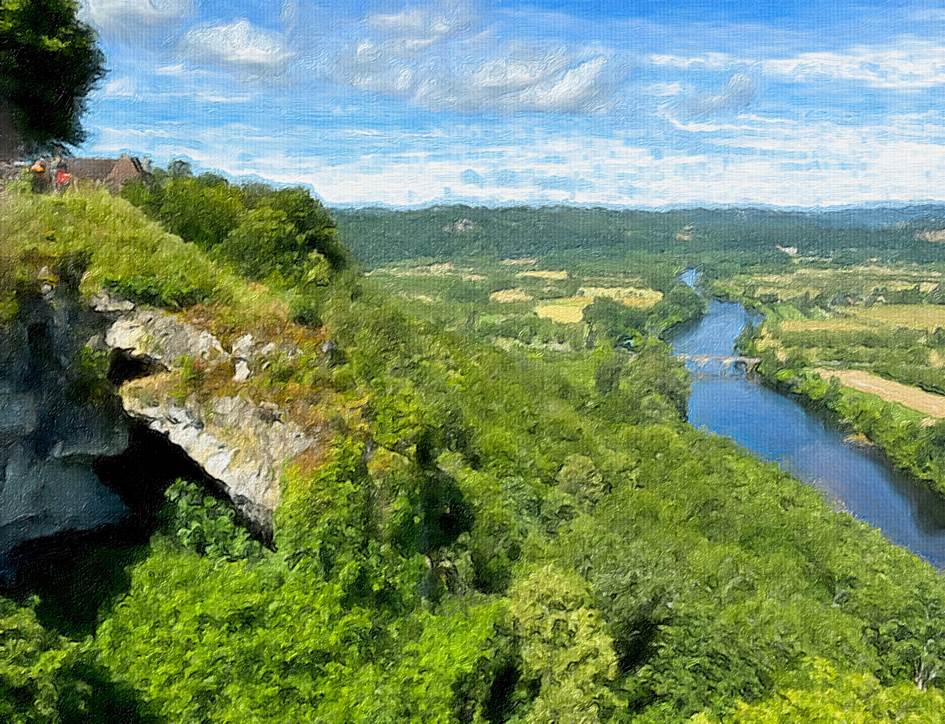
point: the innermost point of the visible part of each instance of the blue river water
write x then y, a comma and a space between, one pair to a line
778, 428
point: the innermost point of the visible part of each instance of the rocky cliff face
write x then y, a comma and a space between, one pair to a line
56, 418
240, 443
59, 415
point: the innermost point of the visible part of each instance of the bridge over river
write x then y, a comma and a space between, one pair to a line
723, 361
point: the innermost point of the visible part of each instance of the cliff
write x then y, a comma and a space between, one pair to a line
77, 373
56, 417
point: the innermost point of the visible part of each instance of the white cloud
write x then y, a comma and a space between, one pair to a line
431, 21
736, 95
127, 16
909, 64
779, 161
706, 61
123, 87
442, 56
664, 90
238, 44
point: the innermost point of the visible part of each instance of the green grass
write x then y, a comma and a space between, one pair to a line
126, 252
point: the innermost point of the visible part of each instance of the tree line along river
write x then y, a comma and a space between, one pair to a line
776, 427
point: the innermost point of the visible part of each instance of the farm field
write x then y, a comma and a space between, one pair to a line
528, 300
912, 316
916, 399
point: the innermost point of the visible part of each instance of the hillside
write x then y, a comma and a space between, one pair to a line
712, 236
474, 534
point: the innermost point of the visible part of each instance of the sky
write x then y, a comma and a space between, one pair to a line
636, 103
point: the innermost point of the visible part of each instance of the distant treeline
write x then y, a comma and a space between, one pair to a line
378, 236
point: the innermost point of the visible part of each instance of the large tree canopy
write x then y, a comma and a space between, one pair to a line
49, 62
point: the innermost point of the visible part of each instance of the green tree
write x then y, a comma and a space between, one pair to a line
565, 648
311, 220
49, 62
199, 213
265, 241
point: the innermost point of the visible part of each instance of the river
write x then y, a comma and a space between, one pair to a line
778, 428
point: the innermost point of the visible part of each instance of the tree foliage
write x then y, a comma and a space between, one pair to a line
49, 62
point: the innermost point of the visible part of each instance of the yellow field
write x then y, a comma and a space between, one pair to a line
912, 397
567, 310
913, 316
445, 269
510, 296
835, 324
862, 278
631, 296
544, 274
522, 261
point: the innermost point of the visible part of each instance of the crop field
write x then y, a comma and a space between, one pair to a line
554, 275
631, 296
568, 310
831, 324
510, 296
912, 397
858, 280
912, 316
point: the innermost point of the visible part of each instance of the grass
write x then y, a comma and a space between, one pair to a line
125, 250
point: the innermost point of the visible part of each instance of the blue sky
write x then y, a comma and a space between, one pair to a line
642, 103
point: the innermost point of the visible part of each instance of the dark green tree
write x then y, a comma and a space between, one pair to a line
49, 61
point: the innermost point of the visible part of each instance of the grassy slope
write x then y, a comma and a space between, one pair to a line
516, 543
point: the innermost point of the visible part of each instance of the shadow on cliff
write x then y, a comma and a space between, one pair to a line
78, 576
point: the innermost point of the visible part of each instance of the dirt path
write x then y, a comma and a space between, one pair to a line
912, 397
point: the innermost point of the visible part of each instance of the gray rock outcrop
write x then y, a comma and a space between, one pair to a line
237, 442
240, 443
55, 421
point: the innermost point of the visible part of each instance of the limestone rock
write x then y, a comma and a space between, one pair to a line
41, 498
241, 444
51, 428
242, 371
18, 413
105, 303
162, 337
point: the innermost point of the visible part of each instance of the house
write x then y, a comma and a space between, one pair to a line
111, 172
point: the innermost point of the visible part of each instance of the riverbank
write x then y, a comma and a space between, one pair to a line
902, 434
769, 418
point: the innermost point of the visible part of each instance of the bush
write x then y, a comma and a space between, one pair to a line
206, 525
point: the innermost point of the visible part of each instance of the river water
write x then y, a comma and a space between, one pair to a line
777, 428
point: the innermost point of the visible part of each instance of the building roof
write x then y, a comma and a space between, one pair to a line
113, 172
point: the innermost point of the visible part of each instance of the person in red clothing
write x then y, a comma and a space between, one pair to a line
63, 177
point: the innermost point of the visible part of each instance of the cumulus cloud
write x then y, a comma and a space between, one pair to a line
443, 57
128, 16
239, 45
736, 95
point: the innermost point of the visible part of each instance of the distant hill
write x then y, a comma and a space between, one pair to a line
890, 233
